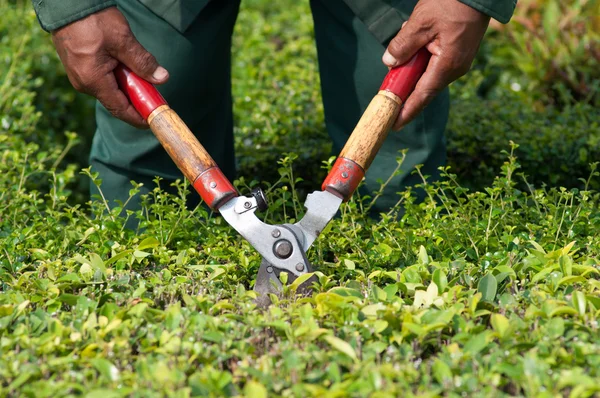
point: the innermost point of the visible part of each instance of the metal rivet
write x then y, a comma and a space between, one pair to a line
270, 270
344, 175
300, 267
276, 233
247, 205
283, 248
213, 184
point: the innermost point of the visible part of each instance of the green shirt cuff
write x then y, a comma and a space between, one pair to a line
54, 14
500, 10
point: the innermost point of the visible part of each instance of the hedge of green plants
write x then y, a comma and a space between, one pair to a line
489, 292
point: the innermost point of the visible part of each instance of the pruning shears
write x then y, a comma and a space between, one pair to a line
283, 247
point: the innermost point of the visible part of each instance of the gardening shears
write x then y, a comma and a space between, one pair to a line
283, 247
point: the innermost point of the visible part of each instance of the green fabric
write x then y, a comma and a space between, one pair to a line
199, 90
351, 73
179, 13
500, 10
54, 14
382, 18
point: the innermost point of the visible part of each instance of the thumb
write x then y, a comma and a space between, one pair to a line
141, 62
407, 42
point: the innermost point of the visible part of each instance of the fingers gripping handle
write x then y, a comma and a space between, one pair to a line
401, 81
374, 126
179, 142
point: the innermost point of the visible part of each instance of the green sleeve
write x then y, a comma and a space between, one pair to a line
54, 14
500, 10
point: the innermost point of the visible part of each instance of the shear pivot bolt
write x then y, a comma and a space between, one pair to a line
299, 267
276, 233
282, 248
270, 270
247, 205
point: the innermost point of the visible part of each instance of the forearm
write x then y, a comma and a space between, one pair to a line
500, 10
54, 14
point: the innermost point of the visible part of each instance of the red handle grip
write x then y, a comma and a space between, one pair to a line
177, 139
374, 125
402, 79
144, 97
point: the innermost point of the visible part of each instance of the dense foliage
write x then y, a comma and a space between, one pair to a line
491, 292
556, 145
551, 50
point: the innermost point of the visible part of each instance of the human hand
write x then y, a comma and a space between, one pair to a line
451, 31
92, 47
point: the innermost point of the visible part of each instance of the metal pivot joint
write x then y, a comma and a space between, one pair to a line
279, 245
283, 248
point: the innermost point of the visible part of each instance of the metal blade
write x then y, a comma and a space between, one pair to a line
321, 207
267, 281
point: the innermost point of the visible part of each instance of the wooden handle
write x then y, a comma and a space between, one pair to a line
177, 139
374, 126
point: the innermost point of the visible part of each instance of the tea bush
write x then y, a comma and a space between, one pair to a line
550, 51
492, 293
556, 145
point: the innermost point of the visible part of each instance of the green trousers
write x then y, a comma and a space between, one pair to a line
195, 47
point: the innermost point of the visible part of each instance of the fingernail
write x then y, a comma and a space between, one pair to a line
389, 59
160, 73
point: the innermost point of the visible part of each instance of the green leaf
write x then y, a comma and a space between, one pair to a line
97, 263
253, 389
342, 346
346, 292
563, 310
537, 247
566, 265
138, 254
349, 264
555, 328
148, 243
300, 280
488, 286
371, 310
103, 393
423, 257
542, 274
70, 277
384, 249
500, 324
440, 279
19, 381
476, 343
68, 298
579, 302
441, 371
569, 280
118, 256
594, 301
567, 249
283, 277
5, 310
550, 22
106, 369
